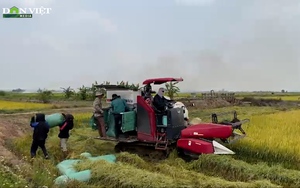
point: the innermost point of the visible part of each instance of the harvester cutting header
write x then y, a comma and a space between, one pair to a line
167, 128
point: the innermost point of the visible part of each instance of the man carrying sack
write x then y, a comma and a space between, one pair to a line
98, 114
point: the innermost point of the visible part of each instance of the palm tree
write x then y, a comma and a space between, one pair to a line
83, 93
68, 92
172, 89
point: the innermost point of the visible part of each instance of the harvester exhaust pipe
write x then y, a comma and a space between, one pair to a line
220, 149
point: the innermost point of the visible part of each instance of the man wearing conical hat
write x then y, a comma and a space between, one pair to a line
98, 114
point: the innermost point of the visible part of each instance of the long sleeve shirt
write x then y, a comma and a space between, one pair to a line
160, 102
118, 106
97, 108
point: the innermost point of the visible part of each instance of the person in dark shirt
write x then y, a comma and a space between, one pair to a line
159, 101
64, 130
148, 91
40, 134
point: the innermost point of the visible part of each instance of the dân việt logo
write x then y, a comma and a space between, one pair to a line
15, 12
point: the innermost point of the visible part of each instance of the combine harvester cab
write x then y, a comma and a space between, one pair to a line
161, 132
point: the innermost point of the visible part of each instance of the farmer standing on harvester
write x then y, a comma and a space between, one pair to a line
118, 106
98, 114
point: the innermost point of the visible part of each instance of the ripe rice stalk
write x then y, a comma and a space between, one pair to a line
237, 170
273, 138
247, 152
178, 173
11, 105
126, 176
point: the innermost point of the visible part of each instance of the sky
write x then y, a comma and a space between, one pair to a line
212, 44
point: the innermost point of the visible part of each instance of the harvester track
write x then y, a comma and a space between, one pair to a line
147, 151
143, 150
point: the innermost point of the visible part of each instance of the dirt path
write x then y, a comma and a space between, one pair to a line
11, 128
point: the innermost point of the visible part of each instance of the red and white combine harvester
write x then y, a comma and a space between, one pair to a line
161, 132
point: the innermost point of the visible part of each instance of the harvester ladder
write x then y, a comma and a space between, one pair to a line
162, 142
161, 145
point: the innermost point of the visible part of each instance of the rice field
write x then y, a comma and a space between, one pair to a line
11, 105
284, 98
274, 138
268, 157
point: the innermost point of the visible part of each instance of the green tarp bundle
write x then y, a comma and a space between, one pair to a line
66, 168
92, 123
128, 122
55, 119
110, 123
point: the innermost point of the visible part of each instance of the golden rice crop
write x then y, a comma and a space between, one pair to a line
82, 119
272, 138
285, 98
11, 105
232, 169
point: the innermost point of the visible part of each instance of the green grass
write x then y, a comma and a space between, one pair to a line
9, 179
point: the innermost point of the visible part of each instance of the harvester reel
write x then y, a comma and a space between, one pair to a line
236, 124
235, 137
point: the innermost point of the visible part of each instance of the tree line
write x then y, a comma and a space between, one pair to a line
84, 92
88, 92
